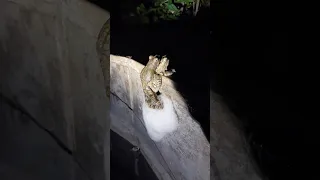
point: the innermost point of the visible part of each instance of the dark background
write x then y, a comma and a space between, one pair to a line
251, 42
251, 72
123, 161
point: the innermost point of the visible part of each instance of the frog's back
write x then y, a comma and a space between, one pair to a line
146, 75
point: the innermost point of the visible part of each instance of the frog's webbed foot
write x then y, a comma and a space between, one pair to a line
154, 103
169, 73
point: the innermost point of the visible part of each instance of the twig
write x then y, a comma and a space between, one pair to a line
196, 7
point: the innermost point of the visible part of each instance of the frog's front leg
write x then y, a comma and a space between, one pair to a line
168, 73
155, 83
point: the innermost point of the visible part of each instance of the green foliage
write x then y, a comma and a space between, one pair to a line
205, 3
163, 10
167, 10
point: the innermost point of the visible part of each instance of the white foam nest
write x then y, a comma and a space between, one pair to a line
160, 123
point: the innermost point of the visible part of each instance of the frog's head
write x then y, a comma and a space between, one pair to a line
163, 65
153, 62
164, 62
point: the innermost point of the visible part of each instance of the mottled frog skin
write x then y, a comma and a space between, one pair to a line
151, 79
162, 69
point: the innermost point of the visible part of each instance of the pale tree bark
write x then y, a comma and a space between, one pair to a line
196, 5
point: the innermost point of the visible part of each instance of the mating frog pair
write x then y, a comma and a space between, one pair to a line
151, 79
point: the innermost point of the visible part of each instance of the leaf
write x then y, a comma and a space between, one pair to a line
160, 2
142, 6
172, 8
183, 1
141, 9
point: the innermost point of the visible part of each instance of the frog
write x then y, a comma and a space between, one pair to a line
162, 68
151, 80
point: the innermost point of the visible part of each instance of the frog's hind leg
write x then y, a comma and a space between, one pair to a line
152, 99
